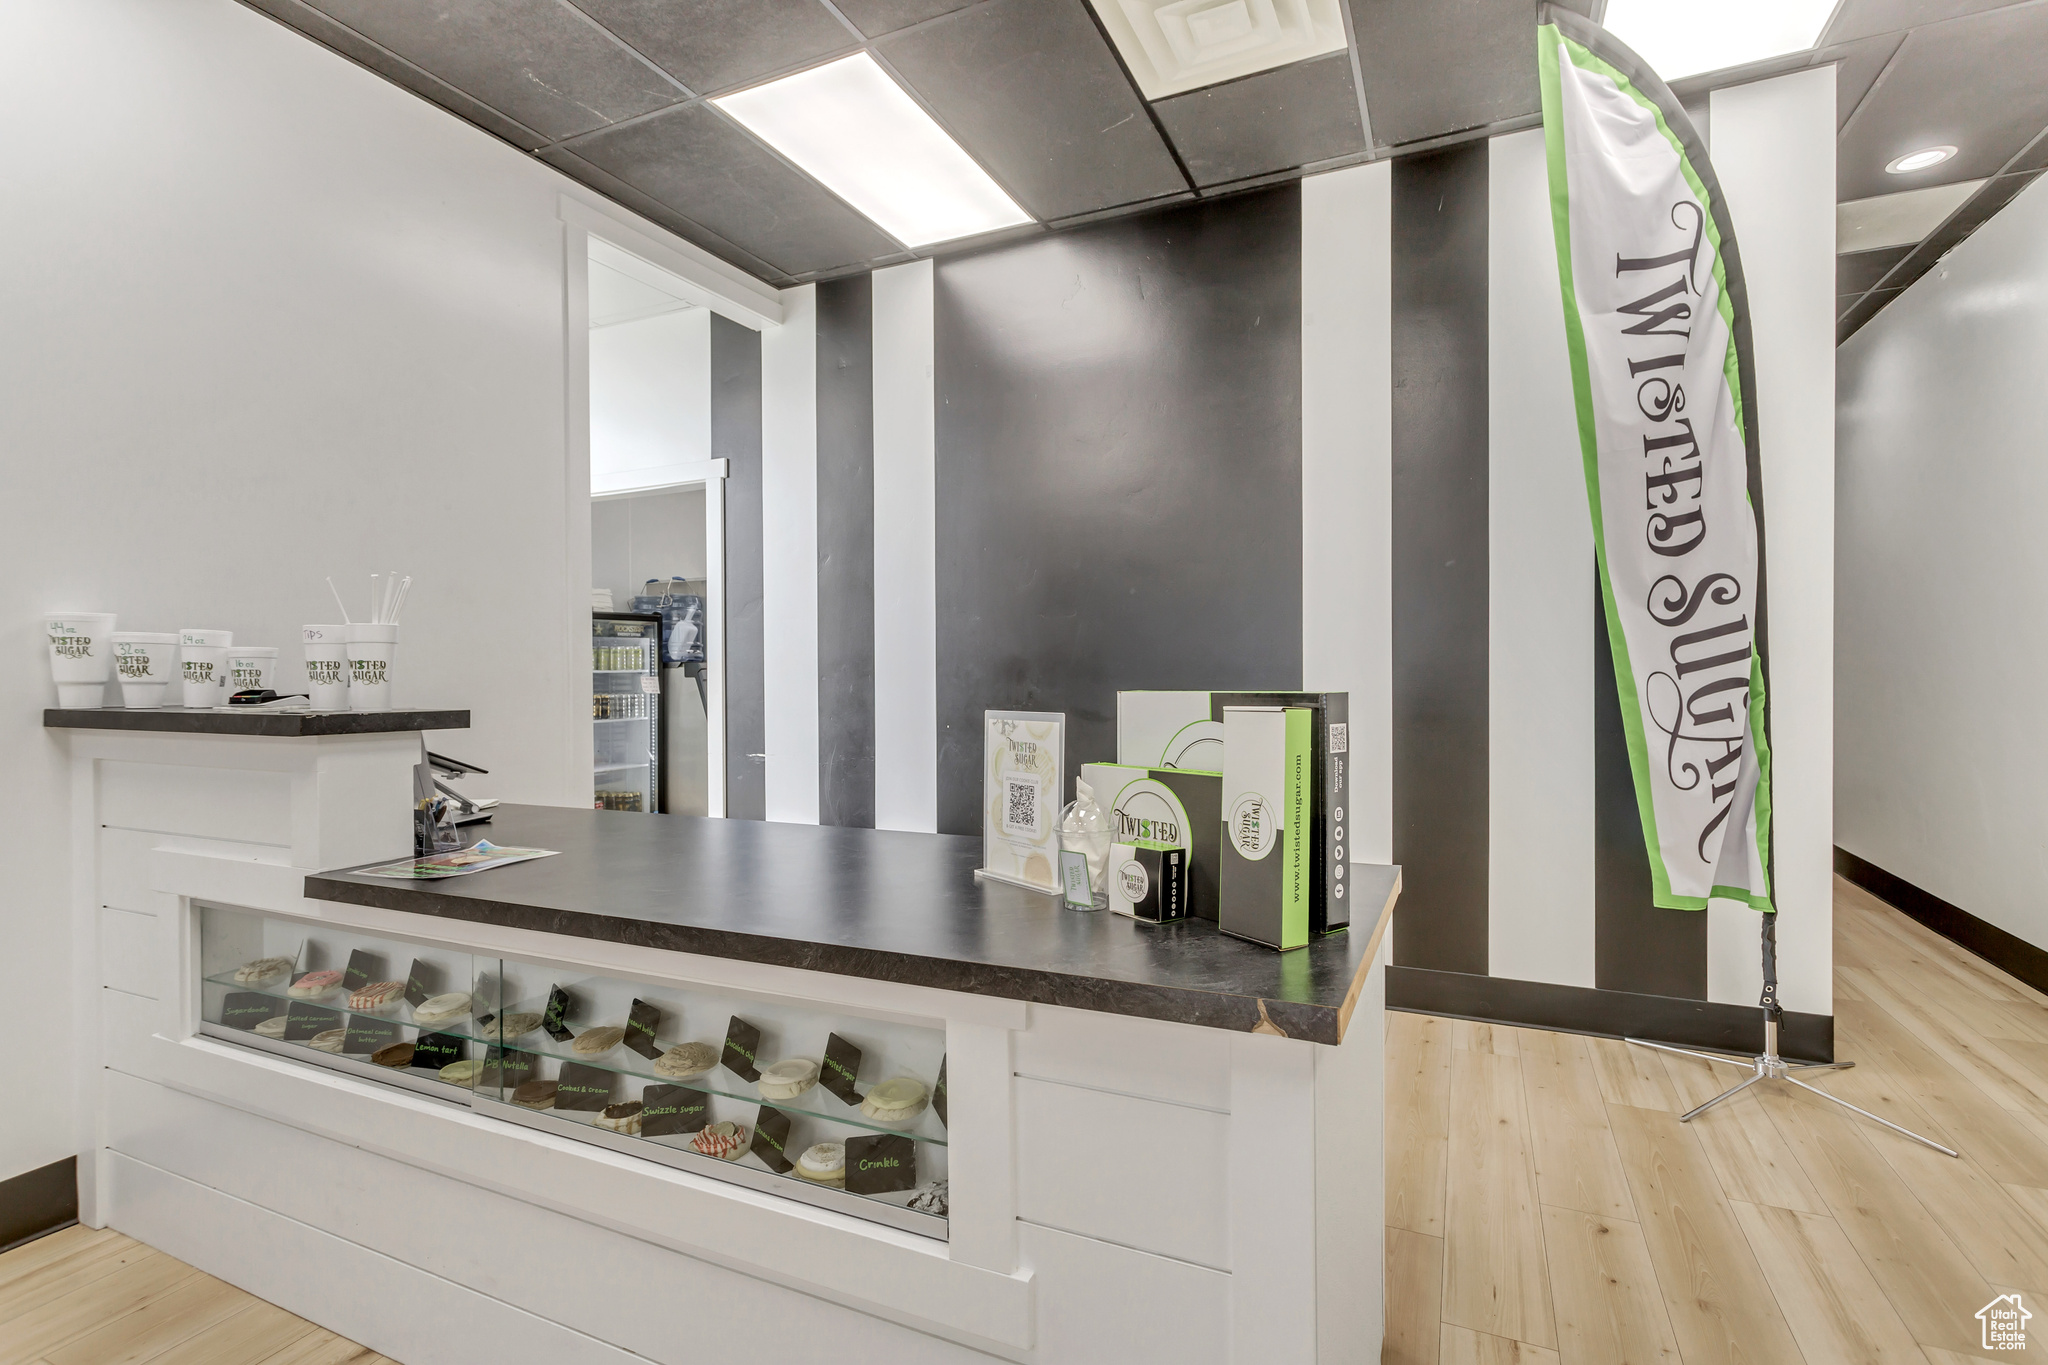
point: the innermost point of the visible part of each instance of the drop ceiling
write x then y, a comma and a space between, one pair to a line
1082, 109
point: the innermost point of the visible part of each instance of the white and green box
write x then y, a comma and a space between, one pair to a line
1166, 804
1268, 784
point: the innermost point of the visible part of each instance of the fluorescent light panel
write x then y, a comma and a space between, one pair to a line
853, 128
1679, 39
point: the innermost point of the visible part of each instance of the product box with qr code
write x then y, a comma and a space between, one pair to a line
1267, 789
1184, 730
1148, 880
1170, 806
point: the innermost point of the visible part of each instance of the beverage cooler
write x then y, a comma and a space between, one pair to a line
625, 711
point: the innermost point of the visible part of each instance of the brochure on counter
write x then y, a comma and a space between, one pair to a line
464, 862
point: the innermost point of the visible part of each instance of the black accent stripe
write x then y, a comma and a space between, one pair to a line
1636, 945
38, 1202
846, 552
1607, 1013
1440, 589
2006, 951
1119, 472
736, 437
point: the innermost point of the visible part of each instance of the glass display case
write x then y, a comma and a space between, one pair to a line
836, 1110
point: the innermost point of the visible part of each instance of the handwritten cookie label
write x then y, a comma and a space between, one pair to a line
881, 1163
742, 1046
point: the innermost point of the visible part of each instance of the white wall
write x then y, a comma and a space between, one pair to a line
268, 318
650, 399
906, 552
1941, 572
789, 558
643, 536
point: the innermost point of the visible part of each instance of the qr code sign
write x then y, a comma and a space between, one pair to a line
1340, 737
1020, 807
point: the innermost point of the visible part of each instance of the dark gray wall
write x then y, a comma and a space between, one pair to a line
736, 436
846, 552
1440, 557
1119, 472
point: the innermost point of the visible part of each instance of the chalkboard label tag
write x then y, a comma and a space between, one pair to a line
939, 1094
771, 1135
555, 1018
483, 999
303, 1019
672, 1109
505, 1070
247, 1009
742, 1049
432, 1051
363, 967
842, 1068
422, 980
583, 1089
641, 1026
880, 1164
368, 1035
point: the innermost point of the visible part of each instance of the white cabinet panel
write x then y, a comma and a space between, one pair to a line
1108, 1305
1135, 1172
213, 803
132, 947
1140, 1057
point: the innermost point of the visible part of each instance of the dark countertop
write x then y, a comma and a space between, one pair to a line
885, 906
176, 720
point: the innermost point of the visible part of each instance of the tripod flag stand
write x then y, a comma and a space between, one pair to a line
1770, 1066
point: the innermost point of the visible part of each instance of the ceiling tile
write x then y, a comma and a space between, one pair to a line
1438, 66
717, 45
703, 166
1170, 47
876, 17
1861, 18
346, 41
1032, 90
652, 209
1986, 202
1857, 271
1975, 83
1857, 66
1898, 219
1273, 121
536, 61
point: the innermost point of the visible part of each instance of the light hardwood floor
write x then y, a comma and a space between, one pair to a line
1544, 1204
85, 1297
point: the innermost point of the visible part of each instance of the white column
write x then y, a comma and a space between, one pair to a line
1774, 150
906, 553
789, 556
1540, 636
1347, 439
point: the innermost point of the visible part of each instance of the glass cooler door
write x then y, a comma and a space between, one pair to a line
625, 711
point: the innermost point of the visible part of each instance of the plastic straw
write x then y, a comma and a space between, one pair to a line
338, 602
399, 605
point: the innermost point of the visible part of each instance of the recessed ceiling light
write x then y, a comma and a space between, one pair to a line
1685, 40
848, 124
1919, 161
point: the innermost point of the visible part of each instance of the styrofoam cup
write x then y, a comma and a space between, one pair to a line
81, 655
369, 666
326, 666
251, 667
204, 664
145, 663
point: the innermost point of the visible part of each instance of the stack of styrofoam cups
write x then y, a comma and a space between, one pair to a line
251, 667
145, 663
369, 666
326, 666
204, 656
81, 654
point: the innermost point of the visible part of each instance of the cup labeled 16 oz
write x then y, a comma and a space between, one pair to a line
369, 666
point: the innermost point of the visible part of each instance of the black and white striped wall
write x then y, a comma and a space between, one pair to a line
1314, 435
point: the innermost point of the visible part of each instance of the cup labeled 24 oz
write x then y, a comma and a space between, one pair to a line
204, 664
369, 666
